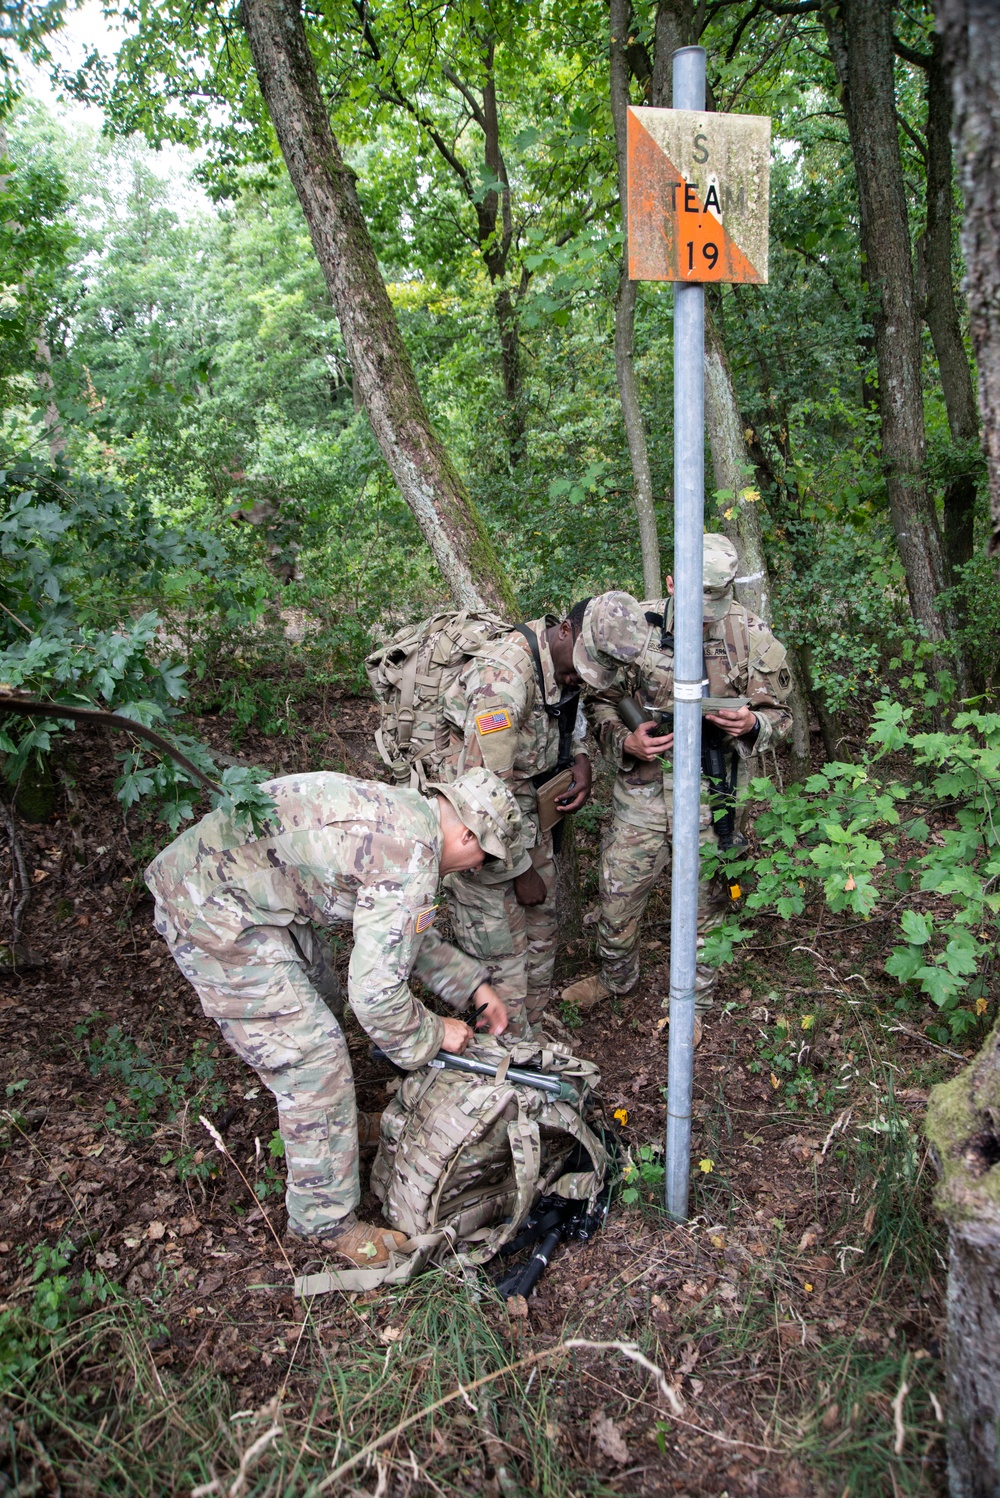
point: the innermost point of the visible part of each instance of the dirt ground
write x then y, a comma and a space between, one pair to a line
797, 1273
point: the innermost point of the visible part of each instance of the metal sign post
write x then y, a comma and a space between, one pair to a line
697, 212
689, 527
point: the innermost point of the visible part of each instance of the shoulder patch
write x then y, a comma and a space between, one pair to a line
425, 918
493, 722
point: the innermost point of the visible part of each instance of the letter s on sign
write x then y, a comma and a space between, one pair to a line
701, 148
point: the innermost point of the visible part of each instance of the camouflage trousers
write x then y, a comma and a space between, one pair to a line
517, 943
279, 1017
632, 860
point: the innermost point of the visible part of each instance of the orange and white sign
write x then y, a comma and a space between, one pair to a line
698, 187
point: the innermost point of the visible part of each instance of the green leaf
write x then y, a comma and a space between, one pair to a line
904, 963
916, 927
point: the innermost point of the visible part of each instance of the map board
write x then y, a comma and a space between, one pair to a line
697, 195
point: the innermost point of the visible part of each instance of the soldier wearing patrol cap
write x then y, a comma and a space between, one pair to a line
241, 915
627, 650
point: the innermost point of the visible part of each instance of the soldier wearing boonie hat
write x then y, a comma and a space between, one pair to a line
243, 915
629, 649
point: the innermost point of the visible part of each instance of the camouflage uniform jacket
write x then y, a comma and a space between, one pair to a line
497, 718
338, 852
742, 659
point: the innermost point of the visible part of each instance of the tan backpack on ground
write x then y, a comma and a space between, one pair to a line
463, 1159
408, 674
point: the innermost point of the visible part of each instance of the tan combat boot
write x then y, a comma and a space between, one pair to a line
364, 1244
587, 992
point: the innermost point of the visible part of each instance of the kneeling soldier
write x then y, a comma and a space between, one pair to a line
240, 914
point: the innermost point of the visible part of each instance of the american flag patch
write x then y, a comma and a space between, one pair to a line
493, 722
425, 918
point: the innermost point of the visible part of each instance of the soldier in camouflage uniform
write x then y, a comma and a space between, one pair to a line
634, 643
502, 710
240, 914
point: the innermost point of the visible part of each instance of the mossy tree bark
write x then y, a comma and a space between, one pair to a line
625, 300
380, 363
970, 31
963, 1120
963, 1127
861, 46
941, 314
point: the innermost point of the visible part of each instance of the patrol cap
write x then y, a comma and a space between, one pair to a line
487, 807
612, 635
719, 566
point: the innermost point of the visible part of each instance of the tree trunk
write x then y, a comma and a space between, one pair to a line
414, 453
970, 32
732, 467
635, 431
963, 1120
963, 1127
860, 38
941, 316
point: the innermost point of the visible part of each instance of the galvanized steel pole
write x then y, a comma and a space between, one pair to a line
689, 525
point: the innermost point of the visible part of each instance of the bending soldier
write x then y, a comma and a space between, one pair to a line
512, 705
241, 915
634, 644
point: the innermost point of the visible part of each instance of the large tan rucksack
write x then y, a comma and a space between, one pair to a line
408, 674
463, 1159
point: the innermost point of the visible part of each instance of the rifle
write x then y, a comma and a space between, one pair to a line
554, 1220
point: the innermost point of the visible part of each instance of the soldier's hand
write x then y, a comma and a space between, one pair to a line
734, 720
580, 789
647, 743
456, 1036
529, 888
494, 1015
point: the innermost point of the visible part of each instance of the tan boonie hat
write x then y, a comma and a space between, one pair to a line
613, 634
719, 566
486, 806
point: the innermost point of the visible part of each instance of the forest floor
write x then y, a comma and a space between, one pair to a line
149, 1339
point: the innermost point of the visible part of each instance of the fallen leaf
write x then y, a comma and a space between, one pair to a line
717, 1241
39, 875
610, 1441
107, 1260
829, 1420
808, 1240
774, 1082
517, 1307
187, 1226
706, 1166
869, 1221
390, 1334
155, 1231
849, 883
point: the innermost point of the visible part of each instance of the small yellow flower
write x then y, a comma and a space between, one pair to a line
807, 1288
774, 1082
808, 1020
981, 1006
620, 1115
729, 513
707, 1166
750, 496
